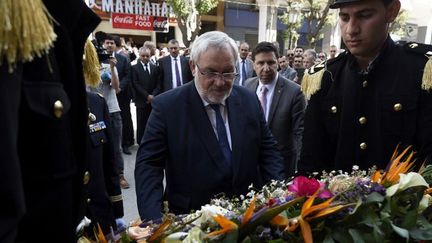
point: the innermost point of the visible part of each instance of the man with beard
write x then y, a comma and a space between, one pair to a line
369, 99
209, 136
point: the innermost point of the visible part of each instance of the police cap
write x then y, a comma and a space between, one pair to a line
339, 3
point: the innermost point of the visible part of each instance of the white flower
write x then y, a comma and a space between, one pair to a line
355, 167
425, 202
405, 181
207, 213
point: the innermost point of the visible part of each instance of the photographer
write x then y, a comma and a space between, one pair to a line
109, 87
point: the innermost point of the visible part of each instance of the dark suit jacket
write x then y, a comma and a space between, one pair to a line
180, 139
250, 72
165, 79
143, 87
123, 69
285, 119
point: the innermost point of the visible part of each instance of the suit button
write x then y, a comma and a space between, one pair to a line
362, 120
58, 108
364, 84
363, 146
397, 107
86, 178
88, 200
102, 140
333, 109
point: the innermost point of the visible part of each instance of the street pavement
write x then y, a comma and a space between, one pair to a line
129, 196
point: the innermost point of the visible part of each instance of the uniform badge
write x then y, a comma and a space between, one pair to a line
95, 127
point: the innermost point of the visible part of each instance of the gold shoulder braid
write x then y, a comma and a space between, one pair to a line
26, 30
425, 50
311, 81
427, 73
91, 65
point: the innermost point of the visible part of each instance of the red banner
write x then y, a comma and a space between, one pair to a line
139, 22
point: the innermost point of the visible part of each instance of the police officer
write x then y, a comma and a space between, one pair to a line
105, 203
366, 101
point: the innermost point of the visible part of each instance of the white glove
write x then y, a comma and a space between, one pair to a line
121, 224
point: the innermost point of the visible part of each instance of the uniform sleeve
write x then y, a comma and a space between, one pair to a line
314, 144
424, 130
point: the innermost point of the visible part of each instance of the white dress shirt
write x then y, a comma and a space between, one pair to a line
270, 87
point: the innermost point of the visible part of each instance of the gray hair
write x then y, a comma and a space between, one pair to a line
143, 48
216, 39
310, 52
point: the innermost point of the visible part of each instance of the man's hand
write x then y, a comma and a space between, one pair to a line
112, 61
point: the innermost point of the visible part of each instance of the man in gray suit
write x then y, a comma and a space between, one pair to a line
282, 101
244, 66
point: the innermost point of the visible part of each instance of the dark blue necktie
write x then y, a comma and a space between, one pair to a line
222, 134
243, 72
178, 78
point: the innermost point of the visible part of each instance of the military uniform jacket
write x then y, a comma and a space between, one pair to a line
105, 204
359, 119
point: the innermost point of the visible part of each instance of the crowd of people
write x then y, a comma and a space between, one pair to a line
213, 118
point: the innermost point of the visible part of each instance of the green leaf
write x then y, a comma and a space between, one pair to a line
341, 236
423, 231
265, 218
328, 239
356, 235
374, 197
230, 237
401, 231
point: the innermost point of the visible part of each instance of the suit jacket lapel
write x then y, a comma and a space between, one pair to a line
201, 122
237, 124
277, 93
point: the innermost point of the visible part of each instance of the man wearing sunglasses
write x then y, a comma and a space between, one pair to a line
209, 136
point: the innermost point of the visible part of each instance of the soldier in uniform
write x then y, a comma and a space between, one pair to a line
105, 203
44, 113
368, 100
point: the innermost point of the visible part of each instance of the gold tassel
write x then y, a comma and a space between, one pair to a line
91, 65
26, 30
427, 75
311, 83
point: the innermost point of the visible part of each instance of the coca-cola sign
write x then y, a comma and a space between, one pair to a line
139, 22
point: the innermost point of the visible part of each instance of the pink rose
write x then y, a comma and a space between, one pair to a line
303, 186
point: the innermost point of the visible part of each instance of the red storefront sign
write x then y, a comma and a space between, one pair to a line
139, 22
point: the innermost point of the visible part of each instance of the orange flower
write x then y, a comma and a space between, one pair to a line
226, 224
309, 212
391, 176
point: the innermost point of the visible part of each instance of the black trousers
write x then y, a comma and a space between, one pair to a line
124, 99
142, 114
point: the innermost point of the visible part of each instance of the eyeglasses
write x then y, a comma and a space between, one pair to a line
213, 75
290, 54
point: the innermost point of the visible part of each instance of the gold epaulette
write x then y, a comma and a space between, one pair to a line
26, 31
91, 65
425, 50
100, 95
311, 82
116, 198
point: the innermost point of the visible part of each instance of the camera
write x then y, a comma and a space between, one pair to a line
102, 53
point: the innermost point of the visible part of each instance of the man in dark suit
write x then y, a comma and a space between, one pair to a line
244, 66
144, 80
43, 131
174, 69
282, 101
124, 96
209, 136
